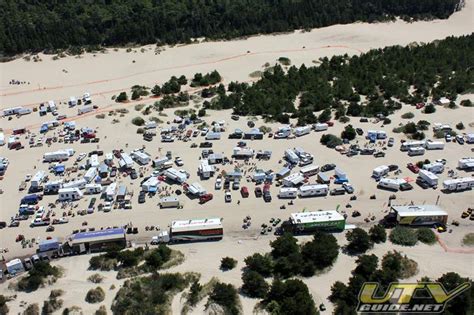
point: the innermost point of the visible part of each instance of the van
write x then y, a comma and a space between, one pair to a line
338, 191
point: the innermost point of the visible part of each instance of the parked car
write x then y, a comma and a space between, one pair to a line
391, 142
227, 196
422, 183
141, 197
412, 167
235, 117
348, 187
460, 139
379, 154
328, 167
406, 186
205, 144
236, 185
359, 131
448, 137
178, 161
133, 174
205, 198
218, 184
338, 191
267, 197
258, 192
244, 191
392, 167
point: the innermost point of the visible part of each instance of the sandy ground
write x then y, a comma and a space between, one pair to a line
105, 75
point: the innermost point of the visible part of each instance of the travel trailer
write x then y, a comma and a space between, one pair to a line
466, 164
380, 171
436, 167
309, 170
434, 145
151, 184
416, 151
313, 190
169, 202
293, 180
125, 161
141, 157
459, 184
69, 194
175, 175
291, 156
412, 144
288, 193
428, 177
84, 109
283, 132
321, 127
390, 184
92, 189
56, 156
301, 131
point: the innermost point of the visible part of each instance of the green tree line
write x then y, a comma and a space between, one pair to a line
32, 25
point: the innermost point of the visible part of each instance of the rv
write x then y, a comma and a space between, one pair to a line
283, 173
84, 109
213, 136
288, 193
434, 145
459, 184
140, 157
93, 161
57, 156
323, 178
158, 162
283, 132
321, 127
436, 167
242, 153
291, 156
125, 161
309, 222
309, 170
313, 190
428, 177
72, 101
92, 189
90, 174
425, 215
151, 125
215, 158
470, 138
196, 189
191, 230
2, 138
38, 179
466, 164
441, 127
151, 184
86, 98
15, 266
69, 194
293, 180
301, 131
110, 191
121, 193
253, 134
169, 202
205, 170
11, 111
390, 184
78, 183
175, 175
416, 151
412, 144
380, 171
52, 187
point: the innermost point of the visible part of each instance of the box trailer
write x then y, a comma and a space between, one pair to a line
436, 167
458, 184
288, 193
301, 131
309, 222
470, 138
434, 145
72, 101
169, 202
69, 194
416, 215
283, 173
323, 178
430, 178
380, 171
313, 190
321, 127
30, 199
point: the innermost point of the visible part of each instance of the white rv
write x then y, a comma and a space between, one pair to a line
301, 131
92, 189
84, 109
94, 161
175, 175
126, 161
458, 184
169, 202
430, 178
213, 136
434, 145
151, 184
291, 156
196, 189
90, 174
141, 157
321, 127
380, 171
313, 190
436, 167
466, 163
151, 125
38, 179
56, 156
205, 170
416, 151
282, 132
78, 183
72, 101
390, 184
293, 180
412, 144
288, 192
242, 153
470, 138
53, 186
309, 170
69, 194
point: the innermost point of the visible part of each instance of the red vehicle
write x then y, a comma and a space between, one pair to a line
266, 188
19, 131
244, 192
89, 135
15, 145
258, 192
330, 123
205, 198
189, 133
412, 167
420, 105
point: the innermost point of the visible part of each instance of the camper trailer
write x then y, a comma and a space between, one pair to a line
293, 180
470, 138
151, 184
85, 109
412, 144
126, 161
390, 184
434, 145
416, 151
436, 167
86, 98
37, 179
466, 164
90, 174
56, 156
141, 157
205, 170
283, 132
151, 125
213, 136
428, 177
309, 222
92, 189
313, 190
160, 161
321, 127
459, 184
242, 153
69, 194
52, 187
301, 131
309, 170
291, 156
78, 183
196, 189
169, 202
288, 193
424, 215
380, 171
110, 192
175, 175
15, 266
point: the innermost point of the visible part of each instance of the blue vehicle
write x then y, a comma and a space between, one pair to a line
30, 199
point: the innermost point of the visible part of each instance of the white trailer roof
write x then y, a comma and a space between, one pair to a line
458, 181
316, 216
294, 178
196, 189
413, 211
428, 174
311, 187
309, 168
195, 225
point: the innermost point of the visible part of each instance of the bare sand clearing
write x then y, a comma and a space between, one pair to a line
106, 74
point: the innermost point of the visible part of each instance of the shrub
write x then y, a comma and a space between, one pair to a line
138, 121
401, 267
100, 116
202, 112
101, 311
403, 236
359, 241
37, 275
139, 107
32, 309
228, 263
430, 109
284, 61
140, 131
426, 235
330, 140
378, 234
408, 115
344, 119
194, 290
349, 133
157, 257
96, 295
254, 285
460, 126
321, 252
4, 306
468, 239
387, 121
51, 305
95, 278
289, 298
226, 296
55, 293
467, 103
260, 263
122, 97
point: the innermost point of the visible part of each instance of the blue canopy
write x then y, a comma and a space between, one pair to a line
60, 168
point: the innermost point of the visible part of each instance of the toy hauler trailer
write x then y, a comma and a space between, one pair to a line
466, 164
288, 193
430, 178
424, 215
309, 222
459, 184
209, 229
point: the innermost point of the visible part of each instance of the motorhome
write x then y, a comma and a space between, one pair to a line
309, 222
301, 131
69, 194
309, 170
175, 175
169, 202
242, 153
85, 109
141, 157
283, 132
86, 98
405, 146
313, 190
196, 189
466, 164
416, 215
11, 111
413, 151
293, 180
288, 193
436, 167
92, 189
434, 145
380, 171
321, 127
121, 193
291, 156
458, 184
253, 134
56, 156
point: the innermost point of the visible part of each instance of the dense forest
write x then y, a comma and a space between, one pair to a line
32, 25
384, 77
